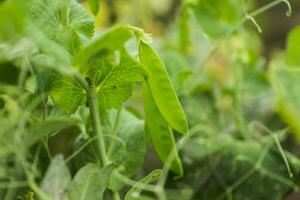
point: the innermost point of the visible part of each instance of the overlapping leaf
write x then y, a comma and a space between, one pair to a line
67, 22
114, 83
90, 182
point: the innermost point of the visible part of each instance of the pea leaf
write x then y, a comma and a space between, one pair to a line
128, 149
95, 5
59, 19
286, 82
114, 83
134, 192
216, 16
44, 128
90, 182
293, 49
57, 179
12, 20
160, 134
110, 40
67, 93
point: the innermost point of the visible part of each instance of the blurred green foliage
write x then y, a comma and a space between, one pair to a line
238, 90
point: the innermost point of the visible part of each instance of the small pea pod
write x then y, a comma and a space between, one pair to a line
159, 133
162, 90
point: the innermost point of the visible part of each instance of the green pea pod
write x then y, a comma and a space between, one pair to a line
159, 133
162, 90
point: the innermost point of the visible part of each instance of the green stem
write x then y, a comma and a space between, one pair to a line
96, 123
95, 119
239, 117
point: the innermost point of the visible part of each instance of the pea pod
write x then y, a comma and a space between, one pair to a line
159, 133
162, 90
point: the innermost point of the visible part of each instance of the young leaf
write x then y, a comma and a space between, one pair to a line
57, 179
293, 47
107, 42
90, 182
286, 82
162, 90
114, 83
67, 93
160, 134
134, 192
44, 128
95, 5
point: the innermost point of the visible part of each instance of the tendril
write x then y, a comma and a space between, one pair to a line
252, 19
289, 11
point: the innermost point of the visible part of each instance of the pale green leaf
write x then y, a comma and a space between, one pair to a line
95, 5
12, 20
57, 179
90, 182
286, 82
293, 47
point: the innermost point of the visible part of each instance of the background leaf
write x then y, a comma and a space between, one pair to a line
57, 179
95, 5
90, 182
293, 49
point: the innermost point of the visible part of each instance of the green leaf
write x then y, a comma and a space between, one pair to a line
59, 19
134, 192
293, 47
217, 17
162, 90
114, 83
127, 146
57, 179
45, 128
109, 41
286, 83
90, 182
86, 155
160, 134
95, 5
12, 20
67, 93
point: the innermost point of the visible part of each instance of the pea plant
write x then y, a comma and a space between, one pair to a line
91, 115
77, 80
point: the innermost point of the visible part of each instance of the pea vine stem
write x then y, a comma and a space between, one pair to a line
96, 123
95, 119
